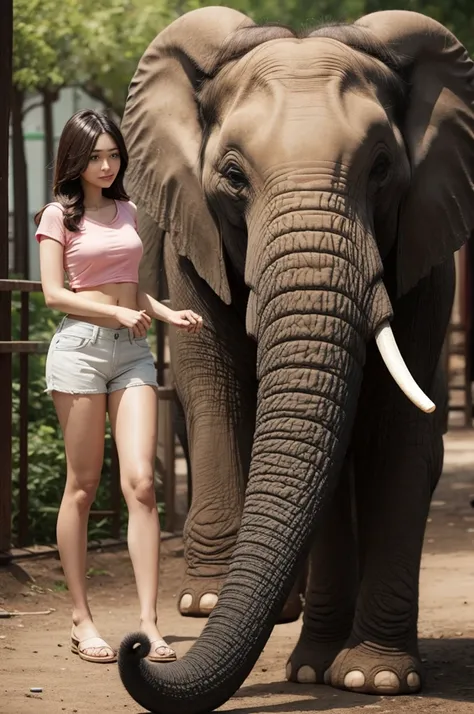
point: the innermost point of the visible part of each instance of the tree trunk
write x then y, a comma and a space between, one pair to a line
6, 23
5, 89
20, 187
49, 98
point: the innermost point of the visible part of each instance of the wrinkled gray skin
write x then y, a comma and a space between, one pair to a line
301, 194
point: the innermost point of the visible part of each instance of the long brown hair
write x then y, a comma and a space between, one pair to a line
76, 144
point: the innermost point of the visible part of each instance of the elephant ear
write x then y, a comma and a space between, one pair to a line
437, 214
163, 134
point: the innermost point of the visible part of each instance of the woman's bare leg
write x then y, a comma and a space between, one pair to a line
82, 420
133, 416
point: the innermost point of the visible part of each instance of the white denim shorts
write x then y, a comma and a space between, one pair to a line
88, 359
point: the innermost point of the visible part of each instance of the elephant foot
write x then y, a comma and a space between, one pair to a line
309, 661
198, 596
370, 669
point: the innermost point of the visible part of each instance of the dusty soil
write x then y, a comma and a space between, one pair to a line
35, 653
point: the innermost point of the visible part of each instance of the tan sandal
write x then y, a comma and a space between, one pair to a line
168, 654
79, 646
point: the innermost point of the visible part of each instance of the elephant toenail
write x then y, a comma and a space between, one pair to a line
327, 677
288, 671
186, 602
306, 675
413, 680
207, 602
387, 680
354, 680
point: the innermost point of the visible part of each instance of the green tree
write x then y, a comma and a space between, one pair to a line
45, 34
118, 32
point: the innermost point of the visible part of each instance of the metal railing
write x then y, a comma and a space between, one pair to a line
25, 348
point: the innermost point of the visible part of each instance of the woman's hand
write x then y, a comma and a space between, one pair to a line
186, 320
137, 320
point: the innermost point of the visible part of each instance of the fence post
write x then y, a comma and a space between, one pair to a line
6, 33
23, 519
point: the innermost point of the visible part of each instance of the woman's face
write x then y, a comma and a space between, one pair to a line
104, 163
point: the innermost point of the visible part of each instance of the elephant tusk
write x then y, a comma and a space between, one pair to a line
396, 366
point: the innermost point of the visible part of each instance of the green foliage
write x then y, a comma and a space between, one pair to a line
95, 44
45, 43
118, 32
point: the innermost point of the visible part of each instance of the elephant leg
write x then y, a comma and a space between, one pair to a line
214, 374
398, 458
381, 655
331, 590
218, 393
179, 421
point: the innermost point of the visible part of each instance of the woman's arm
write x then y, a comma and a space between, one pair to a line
153, 307
184, 319
179, 318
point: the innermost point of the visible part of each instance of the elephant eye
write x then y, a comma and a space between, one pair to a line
380, 170
235, 176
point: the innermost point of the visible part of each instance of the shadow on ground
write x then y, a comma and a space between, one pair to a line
449, 675
449, 668
309, 699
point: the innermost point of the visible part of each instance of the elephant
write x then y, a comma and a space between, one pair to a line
306, 193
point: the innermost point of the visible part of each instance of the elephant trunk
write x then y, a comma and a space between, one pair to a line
310, 362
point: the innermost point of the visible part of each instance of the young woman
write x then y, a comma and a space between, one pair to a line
99, 360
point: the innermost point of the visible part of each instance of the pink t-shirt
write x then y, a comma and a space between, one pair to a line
98, 253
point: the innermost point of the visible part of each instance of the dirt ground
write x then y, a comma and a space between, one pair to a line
35, 649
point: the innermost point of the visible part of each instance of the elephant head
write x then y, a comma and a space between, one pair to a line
307, 164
